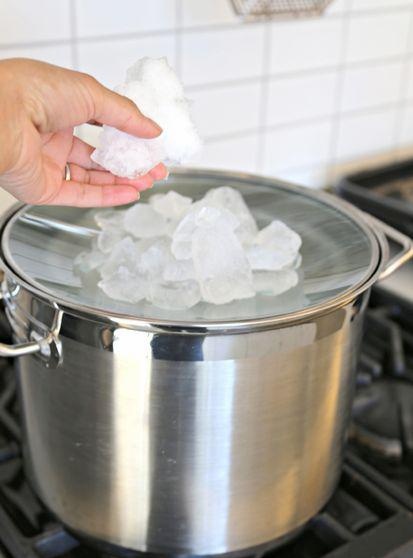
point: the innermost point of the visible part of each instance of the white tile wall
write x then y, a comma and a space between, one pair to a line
406, 133
364, 134
301, 99
371, 86
59, 54
210, 12
377, 35
236, 108
408, 71
97, 17
292, 147
107, 59
305, 44
230, 154
216, 55
23, 21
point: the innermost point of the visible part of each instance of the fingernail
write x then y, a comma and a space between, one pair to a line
156, 125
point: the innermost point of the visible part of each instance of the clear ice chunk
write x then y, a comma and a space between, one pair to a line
124, 285
124, 254
179, 270
172, 205
174, 295
86, 262
108, 238
175, 253
228, 198
155, 258
274, 283
221, 266
142, 221
109, 218
270, 258
274, 248
279, 234
201, 216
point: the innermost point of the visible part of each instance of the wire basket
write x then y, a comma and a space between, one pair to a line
269, 9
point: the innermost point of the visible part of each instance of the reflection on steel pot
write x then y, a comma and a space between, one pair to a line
213, 430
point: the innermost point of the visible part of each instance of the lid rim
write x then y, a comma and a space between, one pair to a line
214, 326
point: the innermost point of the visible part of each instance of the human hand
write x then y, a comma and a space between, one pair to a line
39, 106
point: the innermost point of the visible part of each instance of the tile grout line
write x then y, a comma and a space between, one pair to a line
201, 28
73, 32
264, 94
297, 73
343, 161
241, 81
304, 122
403, 96
336, 117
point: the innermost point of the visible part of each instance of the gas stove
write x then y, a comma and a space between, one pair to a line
370, 513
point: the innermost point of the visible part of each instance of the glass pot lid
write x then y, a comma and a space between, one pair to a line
339, 252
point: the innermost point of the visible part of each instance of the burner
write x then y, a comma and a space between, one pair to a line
382, 429
401, 189
383, 418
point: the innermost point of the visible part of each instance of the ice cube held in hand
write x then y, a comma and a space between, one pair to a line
124, 285
175, 295
274, 283
143, 221
156, 74
125, 155
221, 266
156, 90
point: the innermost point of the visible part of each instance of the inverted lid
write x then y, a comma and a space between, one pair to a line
339, 252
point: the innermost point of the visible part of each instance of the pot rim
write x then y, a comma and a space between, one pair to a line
378, 257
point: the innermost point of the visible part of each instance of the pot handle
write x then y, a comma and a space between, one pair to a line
38, 345
402, 256
21, 349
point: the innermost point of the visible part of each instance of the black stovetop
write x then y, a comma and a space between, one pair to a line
371, 512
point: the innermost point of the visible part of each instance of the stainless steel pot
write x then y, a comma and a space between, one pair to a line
190, 436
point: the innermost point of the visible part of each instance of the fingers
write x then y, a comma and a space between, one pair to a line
160, 172
80, 154
101, 177
108, 107
79, 194
59, 98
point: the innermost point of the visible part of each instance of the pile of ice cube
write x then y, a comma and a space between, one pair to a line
175, 252
157, 91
